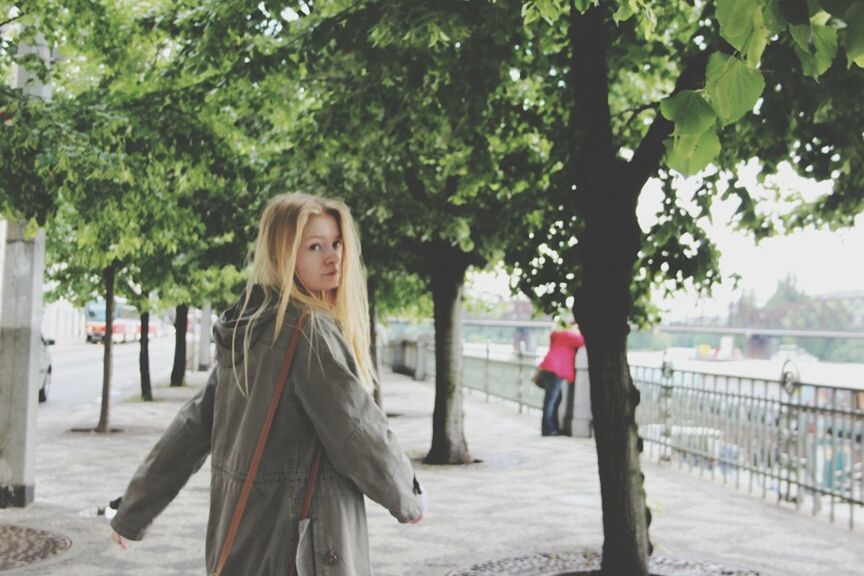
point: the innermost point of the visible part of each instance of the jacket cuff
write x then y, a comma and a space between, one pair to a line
125, 530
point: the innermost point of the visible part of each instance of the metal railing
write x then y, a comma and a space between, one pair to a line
497, 372
801, 443
506, 378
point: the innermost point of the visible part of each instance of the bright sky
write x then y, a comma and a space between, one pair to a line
822, 261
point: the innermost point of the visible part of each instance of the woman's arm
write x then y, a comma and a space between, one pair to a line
178, 454
570, 339
352, 429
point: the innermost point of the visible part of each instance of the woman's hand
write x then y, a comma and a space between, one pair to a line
424, 502
119, 539
416, 520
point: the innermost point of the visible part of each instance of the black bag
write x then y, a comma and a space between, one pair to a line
538, 380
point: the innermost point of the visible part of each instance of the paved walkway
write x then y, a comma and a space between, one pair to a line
530, 494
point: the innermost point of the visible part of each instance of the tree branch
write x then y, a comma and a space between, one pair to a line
646, 160
637, 110
10, 20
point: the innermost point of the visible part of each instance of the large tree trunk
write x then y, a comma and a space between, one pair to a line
144, 358
606, 193
448, 268
107, 341
180, 321
601, 312
606, 201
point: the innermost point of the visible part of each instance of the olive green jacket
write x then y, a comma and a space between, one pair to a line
324, 402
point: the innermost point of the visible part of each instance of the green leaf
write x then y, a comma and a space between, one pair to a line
816, 45
734, 87
825, 42
625, 11
801, 35
758, 40
823, 113
820, 18
549, 10
690, 154
855, 35
690, 112
530, 14
583, 5
742, 25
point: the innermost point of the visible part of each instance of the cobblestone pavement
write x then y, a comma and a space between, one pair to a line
528, 495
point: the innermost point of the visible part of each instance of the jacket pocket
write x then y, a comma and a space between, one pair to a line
305, 550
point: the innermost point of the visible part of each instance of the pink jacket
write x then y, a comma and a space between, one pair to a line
561, 357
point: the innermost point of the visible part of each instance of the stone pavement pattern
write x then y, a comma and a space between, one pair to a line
529, 494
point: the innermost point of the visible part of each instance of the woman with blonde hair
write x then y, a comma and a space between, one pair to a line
294, 437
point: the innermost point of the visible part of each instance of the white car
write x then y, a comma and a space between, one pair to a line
45, 368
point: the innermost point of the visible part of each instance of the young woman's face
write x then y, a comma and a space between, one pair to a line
319, 258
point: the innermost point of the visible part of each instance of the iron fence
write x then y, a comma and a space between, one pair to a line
505, 378
799, 442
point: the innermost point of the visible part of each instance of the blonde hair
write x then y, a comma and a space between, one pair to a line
273, 264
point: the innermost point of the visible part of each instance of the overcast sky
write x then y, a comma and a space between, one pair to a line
822, 261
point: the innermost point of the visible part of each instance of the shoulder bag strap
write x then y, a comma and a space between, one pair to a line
307, 502
310, 483
259, 449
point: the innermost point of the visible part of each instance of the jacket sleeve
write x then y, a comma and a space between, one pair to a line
178, 454
351, 427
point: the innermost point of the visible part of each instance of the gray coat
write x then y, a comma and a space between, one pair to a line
322, 401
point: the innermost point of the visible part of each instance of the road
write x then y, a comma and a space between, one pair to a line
77, 373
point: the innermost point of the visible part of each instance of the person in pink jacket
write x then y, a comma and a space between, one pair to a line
558, 367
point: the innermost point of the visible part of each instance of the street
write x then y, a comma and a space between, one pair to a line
77, 374
693, 518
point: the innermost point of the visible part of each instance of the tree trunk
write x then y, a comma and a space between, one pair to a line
606, 197
375, 353
626, 547
448, 431
144, 358
107, 342
180, 321
606, 194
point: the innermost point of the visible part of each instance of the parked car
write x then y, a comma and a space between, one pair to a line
45, 368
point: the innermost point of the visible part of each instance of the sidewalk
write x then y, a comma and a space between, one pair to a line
530, 494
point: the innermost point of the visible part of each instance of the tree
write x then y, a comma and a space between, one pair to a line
126, 166
486, 132
418, 122
652, 89
397, 98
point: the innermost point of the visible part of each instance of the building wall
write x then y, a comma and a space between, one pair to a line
63, 322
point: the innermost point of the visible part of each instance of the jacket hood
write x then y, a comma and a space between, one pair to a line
231, 320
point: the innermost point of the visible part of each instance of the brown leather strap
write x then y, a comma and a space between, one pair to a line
259, 449
307, 501
310, 483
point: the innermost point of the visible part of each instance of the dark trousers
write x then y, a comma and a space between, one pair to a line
551, 401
